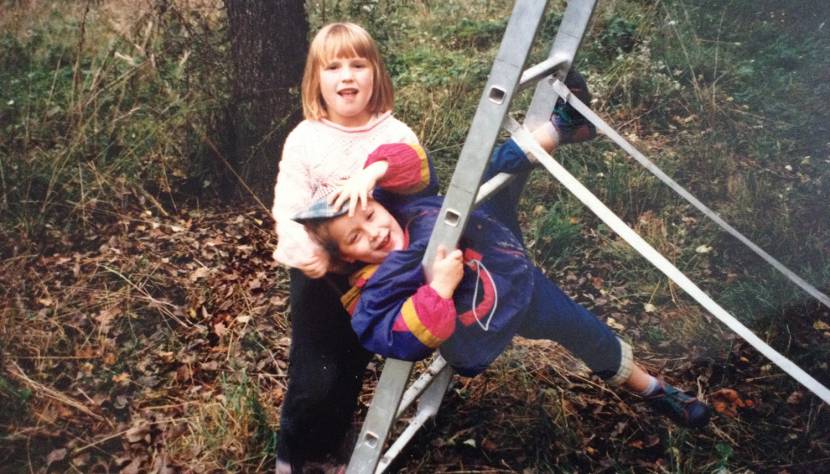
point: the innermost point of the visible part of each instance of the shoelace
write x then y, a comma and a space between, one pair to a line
480, 266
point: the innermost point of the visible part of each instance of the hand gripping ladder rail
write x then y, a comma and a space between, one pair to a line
465, 190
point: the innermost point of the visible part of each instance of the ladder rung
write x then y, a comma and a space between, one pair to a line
424, 381
543, 69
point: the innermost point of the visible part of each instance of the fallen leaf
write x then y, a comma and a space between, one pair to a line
727, 401
137, 433
795, 397
279, 302
637, 444
488, 445
120, 402
105, 318
613, 324
134, 466
122, 379
200, 272
45, 301
56, 455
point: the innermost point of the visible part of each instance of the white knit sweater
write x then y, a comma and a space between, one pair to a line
316, 156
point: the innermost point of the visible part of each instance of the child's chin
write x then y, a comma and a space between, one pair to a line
378, 257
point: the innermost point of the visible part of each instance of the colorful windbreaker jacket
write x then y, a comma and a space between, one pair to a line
395, 312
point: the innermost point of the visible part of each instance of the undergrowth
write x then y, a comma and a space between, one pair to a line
103, 105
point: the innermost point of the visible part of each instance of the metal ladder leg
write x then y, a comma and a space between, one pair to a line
560, 59
562, 53
503, 82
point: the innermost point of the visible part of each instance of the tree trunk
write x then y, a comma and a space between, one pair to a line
269, 42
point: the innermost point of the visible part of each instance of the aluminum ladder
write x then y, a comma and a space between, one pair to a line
392, 397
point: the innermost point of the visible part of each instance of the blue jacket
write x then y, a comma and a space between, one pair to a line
395, 312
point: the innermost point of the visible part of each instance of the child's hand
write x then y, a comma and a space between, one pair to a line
316, 266
357, 188
447, 271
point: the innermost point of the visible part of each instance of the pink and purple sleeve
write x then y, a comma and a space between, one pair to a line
404, 328
409, 169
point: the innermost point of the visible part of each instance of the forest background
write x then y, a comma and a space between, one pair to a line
143, 322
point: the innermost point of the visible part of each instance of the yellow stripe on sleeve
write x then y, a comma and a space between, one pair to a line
424, 165
410, 317
360, 277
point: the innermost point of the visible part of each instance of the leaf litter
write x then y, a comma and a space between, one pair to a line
160, 344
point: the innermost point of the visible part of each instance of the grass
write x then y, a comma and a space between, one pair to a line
226, 433
103, 116
98, 113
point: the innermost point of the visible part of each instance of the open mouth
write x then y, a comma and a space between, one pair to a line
347, 92
384, 243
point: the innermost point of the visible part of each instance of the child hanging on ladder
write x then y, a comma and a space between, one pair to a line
481, 294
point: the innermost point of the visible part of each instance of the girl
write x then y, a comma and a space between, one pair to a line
347, 101
478, 297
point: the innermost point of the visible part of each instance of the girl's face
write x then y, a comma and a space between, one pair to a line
347, 85
369, 236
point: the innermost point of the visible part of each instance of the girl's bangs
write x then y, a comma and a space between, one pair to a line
346, 45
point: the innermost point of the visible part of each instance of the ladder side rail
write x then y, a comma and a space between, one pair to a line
381, 415
422, 384
562, 53
607, 130
427, 408
492, 108
664, 265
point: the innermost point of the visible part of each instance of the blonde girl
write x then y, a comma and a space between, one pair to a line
347, 103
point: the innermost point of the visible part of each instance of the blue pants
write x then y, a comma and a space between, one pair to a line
555, 316
552, 314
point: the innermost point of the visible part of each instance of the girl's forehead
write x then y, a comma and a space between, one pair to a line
342, 53
343, 57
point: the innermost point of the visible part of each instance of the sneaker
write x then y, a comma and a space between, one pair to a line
684, 408
571, 125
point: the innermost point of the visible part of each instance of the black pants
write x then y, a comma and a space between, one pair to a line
326, 365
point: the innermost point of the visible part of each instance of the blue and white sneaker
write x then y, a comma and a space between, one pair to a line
571, 125
681, 407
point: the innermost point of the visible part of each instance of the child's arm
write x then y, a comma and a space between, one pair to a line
397, 314
356, 190
400, 168
508, 158
292, 193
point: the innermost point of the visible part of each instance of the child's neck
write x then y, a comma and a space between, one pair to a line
360, 120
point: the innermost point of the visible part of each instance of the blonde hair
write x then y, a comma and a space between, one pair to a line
343, 40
